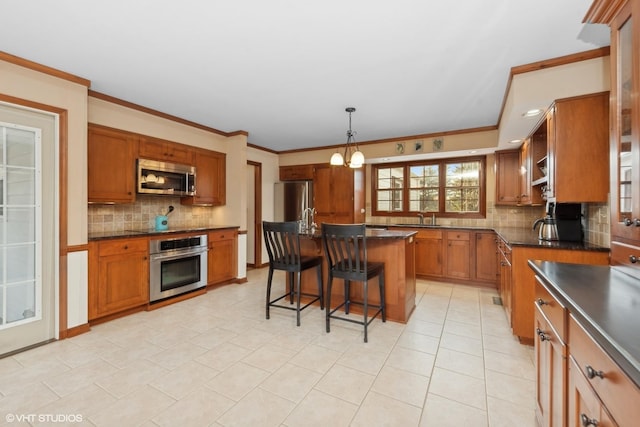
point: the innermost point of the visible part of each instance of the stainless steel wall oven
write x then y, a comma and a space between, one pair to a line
177, 265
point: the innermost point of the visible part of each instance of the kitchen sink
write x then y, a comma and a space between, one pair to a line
417, 225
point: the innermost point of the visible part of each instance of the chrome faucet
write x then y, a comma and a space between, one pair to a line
421, 216
433, 219
308, 219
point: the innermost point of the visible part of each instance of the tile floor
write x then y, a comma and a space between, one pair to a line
215, 360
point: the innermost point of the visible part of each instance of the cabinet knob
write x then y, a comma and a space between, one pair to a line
633, 259
586, 421
126, 247
541, 302
628, 222
592, 373
543, 337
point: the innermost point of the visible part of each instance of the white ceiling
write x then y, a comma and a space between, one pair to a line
284, 70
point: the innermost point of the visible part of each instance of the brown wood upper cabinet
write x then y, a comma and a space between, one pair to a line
210, 179
111, 165
577, 164
296, 173
507, 177
165, 151
338, 194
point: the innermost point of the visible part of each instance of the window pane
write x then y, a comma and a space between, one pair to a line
424, 176
423, 200
390, 178
390, 201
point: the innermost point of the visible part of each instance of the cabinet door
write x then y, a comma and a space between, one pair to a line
429, 254
507, 177
550, 361
167, 151
123, 282
580, 149
342, 192
625, 135
458, 255
525, 173
584, 407
111, 170
222, 260
210, 179
322, 197
296, 172
486, 252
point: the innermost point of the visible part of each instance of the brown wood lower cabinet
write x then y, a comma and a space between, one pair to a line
118, 276
550, 358
222, 263
523, 281
458, 255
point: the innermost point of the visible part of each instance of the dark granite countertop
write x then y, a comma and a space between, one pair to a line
153, 232
372, 233
514, 236
605, 301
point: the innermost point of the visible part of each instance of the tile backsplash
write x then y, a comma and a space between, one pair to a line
595, 221
141, 215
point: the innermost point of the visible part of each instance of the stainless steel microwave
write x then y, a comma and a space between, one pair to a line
156, 177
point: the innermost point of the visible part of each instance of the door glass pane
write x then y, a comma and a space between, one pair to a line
625, 90
20, 285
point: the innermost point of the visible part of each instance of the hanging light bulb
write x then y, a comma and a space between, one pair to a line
352, 157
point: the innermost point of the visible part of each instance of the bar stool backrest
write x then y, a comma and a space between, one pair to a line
345, 247
283, 244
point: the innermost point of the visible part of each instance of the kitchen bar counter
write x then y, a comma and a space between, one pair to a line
104, 235
396, 249
606, 303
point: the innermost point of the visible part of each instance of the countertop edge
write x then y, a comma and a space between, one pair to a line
93, 237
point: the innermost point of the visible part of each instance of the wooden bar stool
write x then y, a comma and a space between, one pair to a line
345, 247
283, 245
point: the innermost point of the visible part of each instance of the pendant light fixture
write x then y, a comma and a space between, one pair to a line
352, 156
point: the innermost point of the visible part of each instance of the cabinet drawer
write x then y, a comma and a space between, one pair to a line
120, 246
429, 234
458, 235
551, 308
616, 391
623, 254
222, 235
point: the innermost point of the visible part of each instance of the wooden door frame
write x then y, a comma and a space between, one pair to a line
257, 201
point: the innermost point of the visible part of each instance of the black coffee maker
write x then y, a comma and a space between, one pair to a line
568, 218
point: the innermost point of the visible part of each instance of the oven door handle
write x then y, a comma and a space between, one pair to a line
158, 257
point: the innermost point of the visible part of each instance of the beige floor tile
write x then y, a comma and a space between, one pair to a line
133, 376
363, 359
258, 408
346, 383
458, 387
379, 410
461, 363
496, 328
414, 361
441, 412
27, 400
20, 379
319, 409
178, 355
317, 358
237, 381
516, 366
199, 408
423, 327
223, 356
80, 377
269, 357
401, 385
512, 389
124, 356
462, 344
171, 336
505, 344
139, 406
85, 402
419, 342
464, 316
184, 379
291, 382
213, 337
463, 329
507, 414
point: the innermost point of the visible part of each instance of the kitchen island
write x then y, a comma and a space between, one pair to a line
396, 249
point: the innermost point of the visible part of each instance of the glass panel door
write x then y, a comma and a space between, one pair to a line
20, 276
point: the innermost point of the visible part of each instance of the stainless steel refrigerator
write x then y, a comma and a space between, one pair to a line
291, 199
